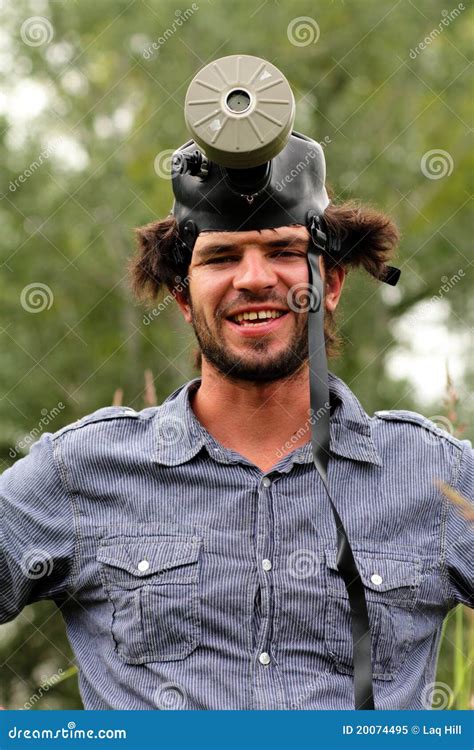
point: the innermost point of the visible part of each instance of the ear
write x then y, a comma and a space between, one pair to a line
183, 305
333, 284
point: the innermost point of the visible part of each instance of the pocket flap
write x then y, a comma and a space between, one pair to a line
381, 573
142, 557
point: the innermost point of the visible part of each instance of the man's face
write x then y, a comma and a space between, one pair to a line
246, 274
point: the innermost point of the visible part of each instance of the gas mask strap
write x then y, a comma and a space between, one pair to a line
320, 440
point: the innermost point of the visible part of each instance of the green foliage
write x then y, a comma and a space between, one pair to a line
69, 225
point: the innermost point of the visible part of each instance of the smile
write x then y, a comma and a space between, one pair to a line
257, 323
256, 318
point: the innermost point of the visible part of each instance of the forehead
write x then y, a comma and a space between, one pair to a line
263, 237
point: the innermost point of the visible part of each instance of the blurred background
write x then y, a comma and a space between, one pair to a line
91, 107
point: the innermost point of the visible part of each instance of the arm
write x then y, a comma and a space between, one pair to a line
460, 534
37, 535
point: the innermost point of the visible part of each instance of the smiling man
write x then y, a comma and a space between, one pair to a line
253, 339
192, 547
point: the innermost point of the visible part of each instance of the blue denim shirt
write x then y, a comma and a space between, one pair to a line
189, 580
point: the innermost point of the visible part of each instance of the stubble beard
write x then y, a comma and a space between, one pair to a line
264, 368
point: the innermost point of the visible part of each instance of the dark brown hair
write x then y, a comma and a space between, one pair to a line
371, 234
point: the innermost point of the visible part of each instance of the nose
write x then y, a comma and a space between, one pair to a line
254, 272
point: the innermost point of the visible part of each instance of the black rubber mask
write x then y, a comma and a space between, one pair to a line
274, 194
290, 189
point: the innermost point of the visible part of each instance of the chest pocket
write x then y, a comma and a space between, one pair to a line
391, 587
153, 585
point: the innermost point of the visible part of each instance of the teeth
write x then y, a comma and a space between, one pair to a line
260, 315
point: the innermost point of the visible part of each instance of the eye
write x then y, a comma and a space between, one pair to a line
221, 259
288, 253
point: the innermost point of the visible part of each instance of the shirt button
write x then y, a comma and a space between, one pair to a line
376, 579
266, 564
143, 565
264, 658
266, 481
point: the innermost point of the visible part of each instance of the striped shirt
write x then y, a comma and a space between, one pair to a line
188, 579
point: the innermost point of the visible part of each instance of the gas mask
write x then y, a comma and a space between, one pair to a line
247, 169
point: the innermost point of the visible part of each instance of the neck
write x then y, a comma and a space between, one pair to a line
254, 417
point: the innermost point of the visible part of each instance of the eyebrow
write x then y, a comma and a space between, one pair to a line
224, 247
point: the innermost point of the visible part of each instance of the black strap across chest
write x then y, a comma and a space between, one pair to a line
320, 440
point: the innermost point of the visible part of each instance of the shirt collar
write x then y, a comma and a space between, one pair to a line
180, 435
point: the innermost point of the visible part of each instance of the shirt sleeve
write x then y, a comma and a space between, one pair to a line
36, 531
460, 534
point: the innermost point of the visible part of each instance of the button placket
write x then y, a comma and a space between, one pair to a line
264, 552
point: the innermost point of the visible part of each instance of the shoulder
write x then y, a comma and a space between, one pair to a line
438, 428
109, 414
